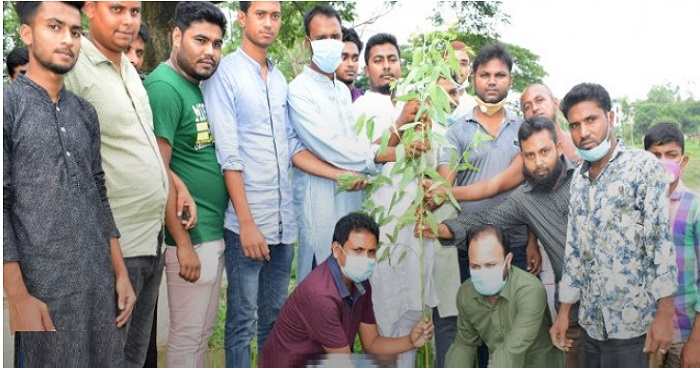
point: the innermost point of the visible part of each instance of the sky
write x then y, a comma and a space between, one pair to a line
626, 47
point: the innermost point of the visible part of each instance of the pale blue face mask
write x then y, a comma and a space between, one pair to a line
358, 268
488, 281
327, 54
598, 152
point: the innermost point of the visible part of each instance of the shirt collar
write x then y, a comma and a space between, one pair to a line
248, 59
340, 284
22, 80
678, 192
569, 166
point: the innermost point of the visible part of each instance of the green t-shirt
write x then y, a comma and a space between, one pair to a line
180, 117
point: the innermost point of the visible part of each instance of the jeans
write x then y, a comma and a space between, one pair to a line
145, 274
256, 292
616, 353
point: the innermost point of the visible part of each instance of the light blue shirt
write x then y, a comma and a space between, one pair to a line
321, 112
248, 118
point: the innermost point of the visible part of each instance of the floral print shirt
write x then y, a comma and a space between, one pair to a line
619, 257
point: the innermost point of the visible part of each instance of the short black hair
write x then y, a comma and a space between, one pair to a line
349, 35
323, 9
354, 221
245, 5
536, 124
192, 11
663, 133
485, 230
143, 33
586, 92
380, 39
490, 52
17, 57
26, 10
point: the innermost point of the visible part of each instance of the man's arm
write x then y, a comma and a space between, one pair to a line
485, 188
531, 307
308, 162
375, 344
690, 355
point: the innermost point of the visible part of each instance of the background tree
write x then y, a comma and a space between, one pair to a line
158, 17
664, 104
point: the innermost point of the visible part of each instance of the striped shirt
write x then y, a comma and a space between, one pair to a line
685, 224
544, 212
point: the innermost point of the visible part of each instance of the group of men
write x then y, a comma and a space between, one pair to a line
198, 155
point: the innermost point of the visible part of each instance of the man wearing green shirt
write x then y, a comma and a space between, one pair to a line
503, 307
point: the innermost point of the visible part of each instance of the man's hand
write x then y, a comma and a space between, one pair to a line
189, 263
185, 204
28, 313
253, 243
417, 148
690, 355
433, 198
408, 113
534, 258
421, 333
660, 334
126, 298
425, 231
351, 181
558, 332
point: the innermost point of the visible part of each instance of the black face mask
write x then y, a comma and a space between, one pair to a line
547, 183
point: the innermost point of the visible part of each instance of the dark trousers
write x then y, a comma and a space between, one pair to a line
612, 353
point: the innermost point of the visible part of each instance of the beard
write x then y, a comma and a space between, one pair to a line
547, 183
385, 89
57, 68
186, 67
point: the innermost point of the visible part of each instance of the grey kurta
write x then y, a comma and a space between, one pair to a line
57, 224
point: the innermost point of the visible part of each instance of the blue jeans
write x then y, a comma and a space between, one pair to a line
256, 292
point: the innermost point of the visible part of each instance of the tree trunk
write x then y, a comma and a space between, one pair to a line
158, 16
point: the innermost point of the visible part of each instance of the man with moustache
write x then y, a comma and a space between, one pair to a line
542, 204
464, 55
538, 100
136, 178
619, 262
193, 259
62, 265
347, 71
136, 50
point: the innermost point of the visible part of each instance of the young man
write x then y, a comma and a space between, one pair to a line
321, 113
136, 179
666, 142
503, 307
542, 204
62, 266
619, 261
17, 62
334, 303
136, 50
255, 145
194, 259
464, 56
347, 71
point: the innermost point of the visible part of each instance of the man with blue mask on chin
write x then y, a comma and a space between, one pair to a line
619, 260
501, 306
334, 304
321, 113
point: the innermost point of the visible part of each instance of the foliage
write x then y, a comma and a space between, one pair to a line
473, 17
664, 104
10, 33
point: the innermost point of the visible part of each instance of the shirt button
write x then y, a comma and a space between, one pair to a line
58, 108
68, 153
63, 129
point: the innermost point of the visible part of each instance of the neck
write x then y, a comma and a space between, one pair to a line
172, 62
314, 67
597, 167
492, 299
111, 55
49, 81
489, 119
255, 52
673, 186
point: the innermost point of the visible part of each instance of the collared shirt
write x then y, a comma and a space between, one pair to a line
619, 258
515, 328
248, 117
544, 212
136, 179
685, 225
320, 312
321, 113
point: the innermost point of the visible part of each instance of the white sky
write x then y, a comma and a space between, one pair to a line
626, 47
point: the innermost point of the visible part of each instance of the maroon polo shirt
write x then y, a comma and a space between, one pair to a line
320, 312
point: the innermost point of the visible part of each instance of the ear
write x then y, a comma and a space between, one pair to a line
307, 44
509, 260
560, 148
684, 161
335, 250
26, 34
241, 19
366, 69
177, 36
611, 116
89, 9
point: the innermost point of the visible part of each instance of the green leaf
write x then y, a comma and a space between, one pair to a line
384, 256
430, 218
453, 200
385, 142
409, 125
408, 97
403, 255
408, 176
360, 123
370, 129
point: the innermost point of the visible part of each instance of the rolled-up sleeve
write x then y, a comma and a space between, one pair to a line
295, 145
219, 96
318, 136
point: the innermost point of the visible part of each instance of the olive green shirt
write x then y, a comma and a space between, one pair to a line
137, 183
515, 328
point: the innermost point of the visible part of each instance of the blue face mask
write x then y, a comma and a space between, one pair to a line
596, 153
488, 281
327, 54
358, 268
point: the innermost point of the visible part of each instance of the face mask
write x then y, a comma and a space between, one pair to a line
327, 54
673, 168
596, 153
489, 108
358, 268
488, 281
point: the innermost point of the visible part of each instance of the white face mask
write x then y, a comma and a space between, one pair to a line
327, 54
357, 268
488, 281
